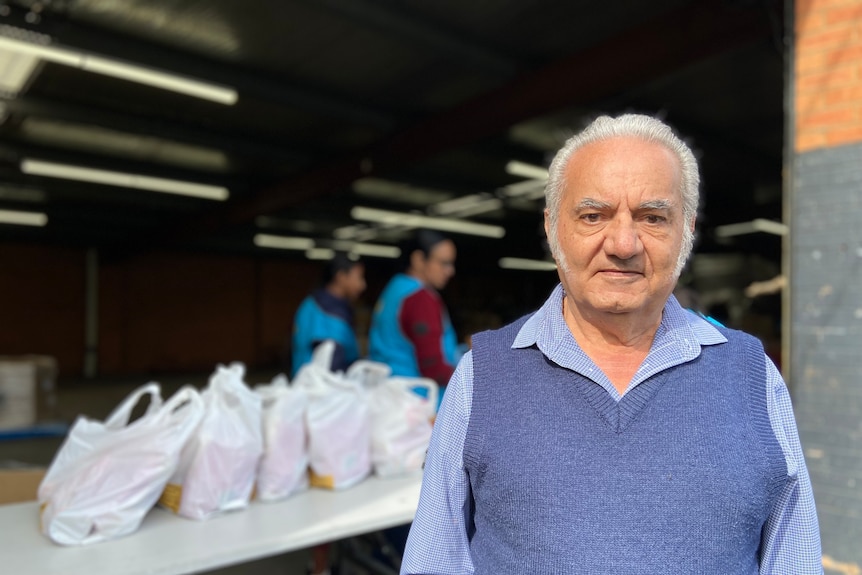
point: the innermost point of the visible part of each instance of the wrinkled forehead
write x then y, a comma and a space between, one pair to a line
624, 164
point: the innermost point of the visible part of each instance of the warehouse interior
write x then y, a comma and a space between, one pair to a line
407, 107
317, 125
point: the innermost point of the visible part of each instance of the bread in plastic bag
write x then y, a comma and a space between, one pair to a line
337, 420
283, 469
217, 468
107, 476
401, 424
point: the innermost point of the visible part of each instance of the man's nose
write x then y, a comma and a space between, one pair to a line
622, 239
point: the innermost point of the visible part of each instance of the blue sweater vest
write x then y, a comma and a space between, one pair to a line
679, 476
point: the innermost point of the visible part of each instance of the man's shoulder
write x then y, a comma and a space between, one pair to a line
738, 336
505, 334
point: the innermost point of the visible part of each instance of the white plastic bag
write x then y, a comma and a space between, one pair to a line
339, 429
218, 465
369, 374
401, 424
283, 469
107, 476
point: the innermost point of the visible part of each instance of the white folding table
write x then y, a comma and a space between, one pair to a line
169, 545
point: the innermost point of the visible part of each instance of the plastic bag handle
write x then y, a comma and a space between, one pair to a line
280, 381
186, 394
119, 418
322, 355
228, 387
223, 378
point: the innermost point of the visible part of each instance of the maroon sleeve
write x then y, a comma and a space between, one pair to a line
422, 322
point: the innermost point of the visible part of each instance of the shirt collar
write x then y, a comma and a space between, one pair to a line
679, 339
333, 304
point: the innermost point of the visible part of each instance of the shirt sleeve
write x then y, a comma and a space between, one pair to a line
438, 544
422, 322
791, 536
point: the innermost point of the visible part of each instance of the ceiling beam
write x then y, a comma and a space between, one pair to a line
412, 30
672, 41
68, 33
15, 148
174, 131
668, 43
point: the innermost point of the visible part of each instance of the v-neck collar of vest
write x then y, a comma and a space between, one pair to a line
676, 342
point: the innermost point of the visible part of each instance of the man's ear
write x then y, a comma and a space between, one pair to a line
692, 223
547, 224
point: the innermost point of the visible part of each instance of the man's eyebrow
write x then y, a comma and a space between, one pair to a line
591, 204
656, 205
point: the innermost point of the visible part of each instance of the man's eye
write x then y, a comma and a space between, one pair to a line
592, 218
655, 219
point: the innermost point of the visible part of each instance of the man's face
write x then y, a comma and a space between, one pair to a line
354, 281
620, 227
439, 266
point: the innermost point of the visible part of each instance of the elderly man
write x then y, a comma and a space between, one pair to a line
612, 431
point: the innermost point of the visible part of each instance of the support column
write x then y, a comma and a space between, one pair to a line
91, 314
824, 261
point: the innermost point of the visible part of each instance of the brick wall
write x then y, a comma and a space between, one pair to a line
828, 73
825, 252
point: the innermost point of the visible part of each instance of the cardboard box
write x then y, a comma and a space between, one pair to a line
17, 485
27, 390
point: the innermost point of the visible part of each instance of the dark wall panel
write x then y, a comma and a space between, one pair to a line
42, 303
281, 288
187, 312
184, 312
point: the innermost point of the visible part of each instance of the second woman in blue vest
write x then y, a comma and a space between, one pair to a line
410, 328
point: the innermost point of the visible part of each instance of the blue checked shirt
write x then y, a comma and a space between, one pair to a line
438, 542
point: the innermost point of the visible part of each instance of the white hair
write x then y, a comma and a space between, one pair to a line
628, 125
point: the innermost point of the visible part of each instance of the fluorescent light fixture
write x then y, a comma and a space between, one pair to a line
153, 149
283, 242
525, 170
456, 205
122, 179
526, 264
483, 207
23, 218
320, 254
345, 232
466, 206
115, 68
164, 80
756, 225
15, 71
21, 194
766, 287
375, 250
387, 217
528, 188
371, 250
388, 190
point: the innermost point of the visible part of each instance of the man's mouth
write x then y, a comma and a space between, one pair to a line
620, 273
